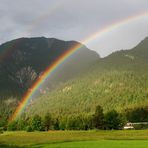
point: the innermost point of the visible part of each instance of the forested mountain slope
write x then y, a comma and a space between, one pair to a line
118, 81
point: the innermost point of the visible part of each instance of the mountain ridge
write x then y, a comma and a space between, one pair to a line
23, 60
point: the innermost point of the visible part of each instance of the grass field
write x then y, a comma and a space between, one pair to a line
75, 139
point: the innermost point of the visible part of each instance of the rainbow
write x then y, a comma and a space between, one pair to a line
52, 68
42, 78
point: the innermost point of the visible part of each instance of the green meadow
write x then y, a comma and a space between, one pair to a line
75, 139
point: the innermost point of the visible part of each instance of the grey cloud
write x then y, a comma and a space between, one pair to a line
71, 20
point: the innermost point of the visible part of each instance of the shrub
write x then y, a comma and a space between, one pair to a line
29, 129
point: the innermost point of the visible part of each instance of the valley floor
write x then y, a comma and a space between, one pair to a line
75, 139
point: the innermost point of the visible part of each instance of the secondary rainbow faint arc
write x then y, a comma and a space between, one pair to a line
45, 16
53, 67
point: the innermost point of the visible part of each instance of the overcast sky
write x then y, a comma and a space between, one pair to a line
75, 20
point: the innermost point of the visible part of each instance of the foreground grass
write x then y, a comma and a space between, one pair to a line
75, 139
100, 144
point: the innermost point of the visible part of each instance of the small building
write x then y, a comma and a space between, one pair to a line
129, 125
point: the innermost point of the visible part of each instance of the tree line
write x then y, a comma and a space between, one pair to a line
99, 120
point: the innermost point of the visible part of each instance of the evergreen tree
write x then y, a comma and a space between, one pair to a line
113, 120
56, 124
36, 123
47, 122
98, 117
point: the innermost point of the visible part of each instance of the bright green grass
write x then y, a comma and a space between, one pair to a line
100, 144
75, 139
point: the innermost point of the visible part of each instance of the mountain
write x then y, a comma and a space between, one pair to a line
118, 81
84, 80
134, 59
23, 60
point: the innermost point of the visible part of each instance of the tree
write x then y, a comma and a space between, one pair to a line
3, 121
12, 126
47, 122
62, 122
22, 123
138, 114
98, 118
71, 123
1, 130
29, 128
56, 124
36, 123
113, 120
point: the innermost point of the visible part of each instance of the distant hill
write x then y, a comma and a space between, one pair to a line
118, 81
24, 59
134, 59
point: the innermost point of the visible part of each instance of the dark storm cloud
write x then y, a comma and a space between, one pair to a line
68, 19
